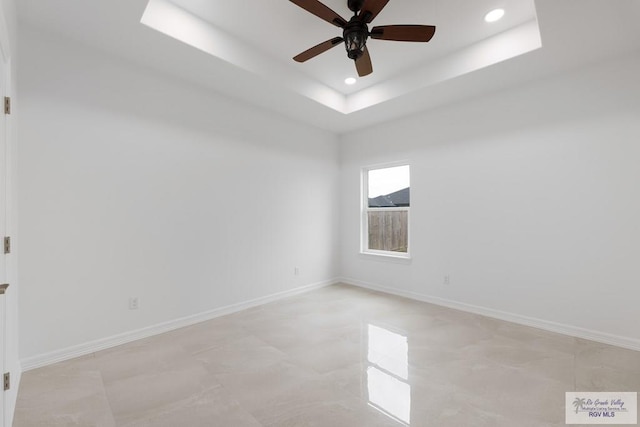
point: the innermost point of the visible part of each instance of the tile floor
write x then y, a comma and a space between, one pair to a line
339, 356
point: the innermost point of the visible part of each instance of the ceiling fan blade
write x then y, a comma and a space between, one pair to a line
318, 49
371, 9
404, 33
321, 11
363, 64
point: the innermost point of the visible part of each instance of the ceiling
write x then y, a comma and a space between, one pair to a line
291, 30
243, 49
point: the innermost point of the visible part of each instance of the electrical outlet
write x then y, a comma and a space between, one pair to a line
447, 280
296, 271
134, 303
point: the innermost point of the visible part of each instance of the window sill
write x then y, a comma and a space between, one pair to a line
375, 256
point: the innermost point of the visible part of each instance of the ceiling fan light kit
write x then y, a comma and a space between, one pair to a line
356, 31
355, 38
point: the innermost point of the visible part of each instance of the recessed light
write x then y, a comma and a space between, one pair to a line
494, 15
350, 81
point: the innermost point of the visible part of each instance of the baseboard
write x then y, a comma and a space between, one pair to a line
113, 341
570, 330
116, 340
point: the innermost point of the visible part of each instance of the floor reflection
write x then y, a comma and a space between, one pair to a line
388, 373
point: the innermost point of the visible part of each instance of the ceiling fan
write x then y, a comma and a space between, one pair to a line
356, 31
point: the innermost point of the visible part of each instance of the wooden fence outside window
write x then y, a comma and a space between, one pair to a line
389, 230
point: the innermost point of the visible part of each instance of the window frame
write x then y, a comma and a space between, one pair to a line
365, 209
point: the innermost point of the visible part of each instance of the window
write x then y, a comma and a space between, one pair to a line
385, 217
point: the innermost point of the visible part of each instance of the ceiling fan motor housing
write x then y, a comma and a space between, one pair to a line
355, 38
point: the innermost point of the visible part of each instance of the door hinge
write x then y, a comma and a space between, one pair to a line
7, 245
7, 380
7, 105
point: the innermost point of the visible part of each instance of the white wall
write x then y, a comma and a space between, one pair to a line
529, 199
135, 184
